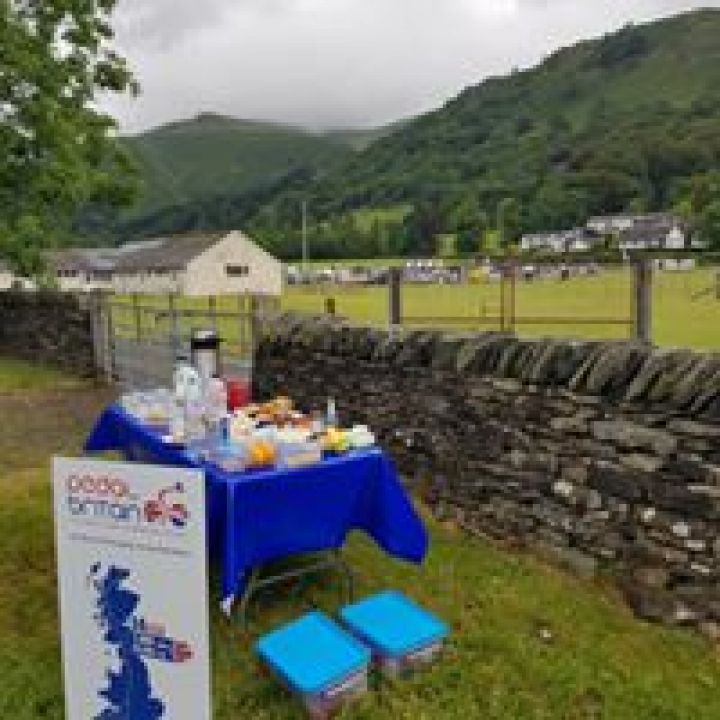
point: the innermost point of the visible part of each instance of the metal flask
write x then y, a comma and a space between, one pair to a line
205, 353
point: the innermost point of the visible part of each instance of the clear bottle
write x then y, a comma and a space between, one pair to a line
216, 409
331, 417
177, 421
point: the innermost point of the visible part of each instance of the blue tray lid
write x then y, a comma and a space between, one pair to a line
313, 654
393, 624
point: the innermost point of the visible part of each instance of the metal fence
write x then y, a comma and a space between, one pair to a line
139, 339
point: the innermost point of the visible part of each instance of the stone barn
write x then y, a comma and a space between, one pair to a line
198, 264
6, 276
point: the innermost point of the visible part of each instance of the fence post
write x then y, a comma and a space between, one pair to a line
138, 322
513, 289
508, 282
174, 336
642, 300
243, 320
212, 311
503, 311
102, 337
254, 326
395, 298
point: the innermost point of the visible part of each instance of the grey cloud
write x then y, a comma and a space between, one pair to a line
341, 62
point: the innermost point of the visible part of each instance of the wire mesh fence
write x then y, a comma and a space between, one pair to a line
145, 336
591, 301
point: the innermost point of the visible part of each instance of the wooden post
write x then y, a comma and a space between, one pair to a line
503, 279
255, 321
513, 288
212, 311
642, 300
101, 336
109, 334
138, 321
243, 320
330, 306
174, 334
394, 297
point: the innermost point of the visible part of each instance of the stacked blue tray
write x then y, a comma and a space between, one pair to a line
326, 665
401, 634
318, 661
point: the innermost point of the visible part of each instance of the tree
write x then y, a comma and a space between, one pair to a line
709, 224
508, 219
423, 226
58, 153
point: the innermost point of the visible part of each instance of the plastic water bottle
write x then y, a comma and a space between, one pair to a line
216, 400
177, 420
331, 418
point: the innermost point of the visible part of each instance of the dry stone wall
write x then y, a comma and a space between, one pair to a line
604, 456
48, 328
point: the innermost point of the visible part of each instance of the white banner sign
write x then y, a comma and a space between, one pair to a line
133, 590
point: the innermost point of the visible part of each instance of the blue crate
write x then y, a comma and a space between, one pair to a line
318, 661
401, 634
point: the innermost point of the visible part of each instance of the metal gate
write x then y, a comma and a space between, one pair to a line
139, 339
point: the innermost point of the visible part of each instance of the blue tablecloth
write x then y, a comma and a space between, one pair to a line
259, 516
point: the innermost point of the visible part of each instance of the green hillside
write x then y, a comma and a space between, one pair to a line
210, 155
615, 123
627, 121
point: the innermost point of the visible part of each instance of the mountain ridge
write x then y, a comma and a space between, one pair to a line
619, 122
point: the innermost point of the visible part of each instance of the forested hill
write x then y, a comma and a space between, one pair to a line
209, 155
624, 121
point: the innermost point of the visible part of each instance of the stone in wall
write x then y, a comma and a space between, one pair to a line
48, 328
604, 455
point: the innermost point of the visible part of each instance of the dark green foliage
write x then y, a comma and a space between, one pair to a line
619, 123
608, 125
56, 150
214, 156
628, 44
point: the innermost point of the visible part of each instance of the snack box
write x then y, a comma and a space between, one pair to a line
317, 661
402, 635
298, 454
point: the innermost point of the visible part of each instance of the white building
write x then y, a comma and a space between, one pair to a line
575, 240
6, 276
197, 264
552, 241
664, 235
83, 269
612, 224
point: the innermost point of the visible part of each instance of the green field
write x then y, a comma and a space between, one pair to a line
679, 320
528, 642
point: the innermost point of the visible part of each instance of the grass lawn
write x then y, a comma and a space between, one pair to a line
528, 641
686, 312
17, 375
679, 319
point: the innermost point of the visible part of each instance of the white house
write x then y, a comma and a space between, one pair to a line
83, 269
552, 241
575, 240
6, 276
667, 234
197, 264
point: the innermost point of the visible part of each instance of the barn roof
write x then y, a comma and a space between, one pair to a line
83, 259
164, 254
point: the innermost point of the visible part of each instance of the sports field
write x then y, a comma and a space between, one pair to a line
686, 310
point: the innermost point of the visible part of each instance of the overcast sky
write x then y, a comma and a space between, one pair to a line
332, 63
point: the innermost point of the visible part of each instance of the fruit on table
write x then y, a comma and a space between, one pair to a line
336, 440
261, 453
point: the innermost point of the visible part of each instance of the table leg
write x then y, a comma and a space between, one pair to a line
328, 559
